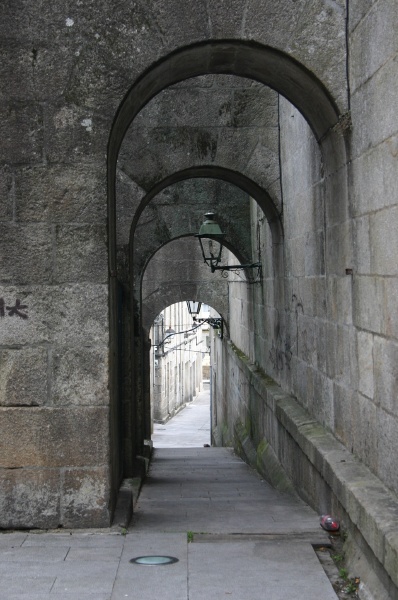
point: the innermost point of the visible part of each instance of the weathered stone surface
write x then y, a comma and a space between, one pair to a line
29, 498
366, 363
17, 330
80, 314
383, 242
358, 9
34, 72
48, 437
26, 255
69, 315
74, 132
61, 193
380, 23
23, 377
373, 109
81, 254
387, 432
25, 123
374, 176
6, 199
80, 377
85, 498
386, 374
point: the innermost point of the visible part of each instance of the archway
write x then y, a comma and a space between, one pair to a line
251, 60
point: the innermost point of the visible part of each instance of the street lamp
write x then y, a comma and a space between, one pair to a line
211, 230
194, 307
214, 322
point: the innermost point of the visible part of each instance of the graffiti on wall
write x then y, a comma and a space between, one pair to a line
18, 310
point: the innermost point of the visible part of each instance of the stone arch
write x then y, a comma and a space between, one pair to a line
266, 65
239, 180
263, 64
203, 287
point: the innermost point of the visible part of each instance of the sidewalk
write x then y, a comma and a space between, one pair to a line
233, 535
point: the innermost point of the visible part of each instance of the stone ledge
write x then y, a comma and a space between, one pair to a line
368, 503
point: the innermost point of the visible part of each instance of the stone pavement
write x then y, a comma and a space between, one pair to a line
190, 428
233, 535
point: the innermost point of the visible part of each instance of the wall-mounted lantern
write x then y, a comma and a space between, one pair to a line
194, 307
214, 322
212, 250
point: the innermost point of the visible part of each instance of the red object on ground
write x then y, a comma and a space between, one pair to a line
329, 523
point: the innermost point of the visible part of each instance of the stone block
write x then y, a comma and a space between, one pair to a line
6, 199
339, 299
21, 132
373, 42
323, 400
314, 254
26, 255
390, 307
29, 498
35, 328
128, 197
23, 377
74, 133
53, 437
263, 164
358, 10
62, 193
368, 297
274, 24
339, 248
386, 429
374, 178
193, 21
386, 375
373, 109
32, 22
363, 439
34, 73
85, 498
80, 315
366, 374
318, 42
81, 254
384, 241
343, 414
80, 377
95, 82
362, 246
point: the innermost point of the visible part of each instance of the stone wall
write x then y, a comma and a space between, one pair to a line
326, 333
54, 335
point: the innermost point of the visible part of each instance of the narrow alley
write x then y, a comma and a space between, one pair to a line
231, 533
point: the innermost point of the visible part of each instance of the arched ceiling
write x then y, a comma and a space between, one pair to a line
159, 143
187, 278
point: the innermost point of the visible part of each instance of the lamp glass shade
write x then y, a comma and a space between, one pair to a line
210, 227
193, 307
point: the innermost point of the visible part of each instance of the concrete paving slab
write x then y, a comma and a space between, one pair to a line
20, 585
96, 577
12, 540
75, 538
256, 570
34, 553
168, 582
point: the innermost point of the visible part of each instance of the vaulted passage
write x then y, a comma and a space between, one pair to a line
122, 126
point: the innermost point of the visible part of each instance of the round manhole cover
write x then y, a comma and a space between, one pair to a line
154, 560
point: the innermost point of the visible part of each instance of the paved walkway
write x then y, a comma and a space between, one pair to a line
190, 428
233, 535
